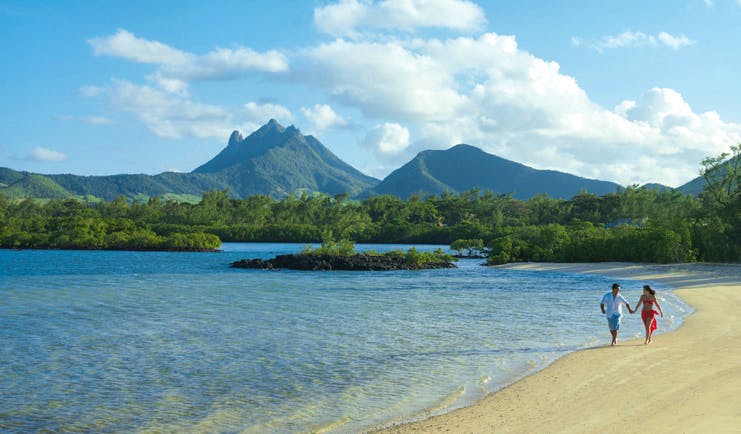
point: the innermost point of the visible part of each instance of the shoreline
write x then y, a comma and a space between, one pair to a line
687, 380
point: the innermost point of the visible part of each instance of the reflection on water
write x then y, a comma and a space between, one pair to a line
159, 342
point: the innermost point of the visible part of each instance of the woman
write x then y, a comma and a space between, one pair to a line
648, 314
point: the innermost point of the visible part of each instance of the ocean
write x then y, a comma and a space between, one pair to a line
107, 341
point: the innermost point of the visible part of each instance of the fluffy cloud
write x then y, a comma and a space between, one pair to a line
635, 39
351, 17
46, 155
174, 116
260, 113
170, 116
179, 66
388, 138
323, 117
384, 80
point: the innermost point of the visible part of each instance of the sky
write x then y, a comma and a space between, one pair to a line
627, 91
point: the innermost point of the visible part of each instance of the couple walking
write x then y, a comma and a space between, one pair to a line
612, 306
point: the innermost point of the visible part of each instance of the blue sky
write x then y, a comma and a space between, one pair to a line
627, 91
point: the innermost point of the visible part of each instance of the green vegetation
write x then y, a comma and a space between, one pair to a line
472, 247
73, 224
333, 248
633, 224
345, 247
415, 257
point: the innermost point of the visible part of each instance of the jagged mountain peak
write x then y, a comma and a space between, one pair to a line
236, 137
278, 160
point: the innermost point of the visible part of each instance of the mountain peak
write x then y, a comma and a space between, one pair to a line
236, 137
272, 125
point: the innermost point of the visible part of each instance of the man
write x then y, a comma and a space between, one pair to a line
612, 306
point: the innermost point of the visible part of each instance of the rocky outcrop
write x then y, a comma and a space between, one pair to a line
358, 262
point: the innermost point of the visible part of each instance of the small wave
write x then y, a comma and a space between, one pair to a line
448, 402
332, 425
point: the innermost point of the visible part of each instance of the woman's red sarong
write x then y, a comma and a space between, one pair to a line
650, 314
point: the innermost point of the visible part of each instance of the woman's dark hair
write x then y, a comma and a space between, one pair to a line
649, 289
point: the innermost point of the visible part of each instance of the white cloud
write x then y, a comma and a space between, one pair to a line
323, 117
258, 114
674, 42
126, 45
389, 138
384, 80
634, 39
168, 115
47, 155
175, 116
350, 17
90, 91
93, 120
97, 120
177, 67
169, 84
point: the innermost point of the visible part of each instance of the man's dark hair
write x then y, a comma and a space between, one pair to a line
615, 286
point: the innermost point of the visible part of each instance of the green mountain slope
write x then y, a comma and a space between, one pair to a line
277, 161
16, 185
464, 167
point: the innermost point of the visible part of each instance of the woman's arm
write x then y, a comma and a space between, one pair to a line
656, 300
640, 301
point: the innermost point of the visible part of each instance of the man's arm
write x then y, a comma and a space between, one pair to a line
602, 307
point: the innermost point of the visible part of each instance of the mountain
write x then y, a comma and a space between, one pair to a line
464, 167
277, 161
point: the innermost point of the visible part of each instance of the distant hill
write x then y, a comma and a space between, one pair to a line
656, 186
277, 161
693, 187
463, 167
18, 185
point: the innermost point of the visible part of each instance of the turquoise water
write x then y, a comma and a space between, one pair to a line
163, 342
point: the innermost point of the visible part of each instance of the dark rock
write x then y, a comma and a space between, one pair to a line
358, 262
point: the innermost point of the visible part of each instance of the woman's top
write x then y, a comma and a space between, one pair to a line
647, 304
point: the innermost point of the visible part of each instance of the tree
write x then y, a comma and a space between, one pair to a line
723, 176
471, 246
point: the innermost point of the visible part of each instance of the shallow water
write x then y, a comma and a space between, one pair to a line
158, 342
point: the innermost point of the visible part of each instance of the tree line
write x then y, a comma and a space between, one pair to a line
633, 224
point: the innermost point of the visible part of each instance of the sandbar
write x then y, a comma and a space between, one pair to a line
686, 381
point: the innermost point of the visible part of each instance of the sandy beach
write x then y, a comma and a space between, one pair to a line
686, 381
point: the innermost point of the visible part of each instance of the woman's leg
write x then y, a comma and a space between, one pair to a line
647, 324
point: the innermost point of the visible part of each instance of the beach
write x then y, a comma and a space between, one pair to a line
686, 381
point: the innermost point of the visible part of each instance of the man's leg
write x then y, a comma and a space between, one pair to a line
614, 334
